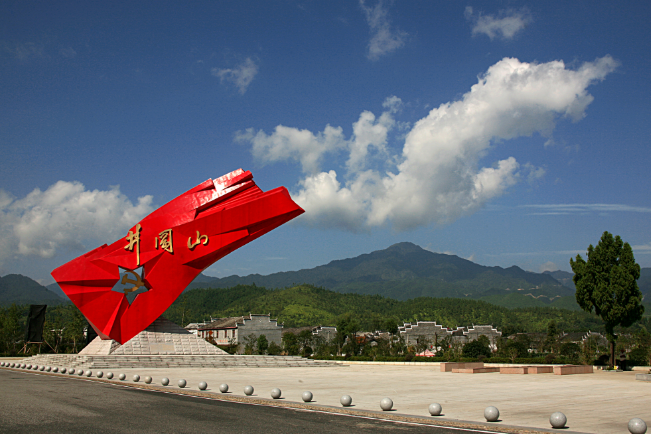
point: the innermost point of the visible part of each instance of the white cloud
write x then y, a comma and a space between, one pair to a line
437, 178
505, 26
384, 40
241, 76
583, 208
64, 217
548, 266
293, 144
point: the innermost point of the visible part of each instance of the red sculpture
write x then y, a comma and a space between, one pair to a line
172, 245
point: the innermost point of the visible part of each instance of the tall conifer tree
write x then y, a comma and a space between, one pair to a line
607, 284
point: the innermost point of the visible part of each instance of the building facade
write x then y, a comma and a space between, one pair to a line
234, 330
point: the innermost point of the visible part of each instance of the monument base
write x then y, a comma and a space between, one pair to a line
162, 337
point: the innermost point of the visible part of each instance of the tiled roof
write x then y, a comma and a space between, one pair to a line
223, 323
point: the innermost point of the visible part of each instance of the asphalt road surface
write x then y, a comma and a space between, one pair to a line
36, 403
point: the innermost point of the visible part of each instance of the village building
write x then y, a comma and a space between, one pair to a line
429, 330
234, 330
434, 333
328, 333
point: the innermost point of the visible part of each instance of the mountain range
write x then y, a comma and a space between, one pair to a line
406, 271
402, 271
19, 289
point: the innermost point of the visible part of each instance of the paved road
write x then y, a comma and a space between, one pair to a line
36, 403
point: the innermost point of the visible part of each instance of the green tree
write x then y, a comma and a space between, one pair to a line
263, 344
607, 285
290, 344
250, 344
476, 348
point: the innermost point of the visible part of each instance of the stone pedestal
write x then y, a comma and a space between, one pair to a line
162, 337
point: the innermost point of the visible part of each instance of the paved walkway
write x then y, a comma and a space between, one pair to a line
602, 402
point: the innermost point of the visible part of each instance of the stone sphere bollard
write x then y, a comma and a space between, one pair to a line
35, 367
435, 409
89, 373
165, 381
122, 377
182, 383
136, 378
491, 414
148, 379
81, 372
71, 371
275, 393
346, 400
386, 404
42, 368
29, 366
307, 396
203, 385
63, 370
557, 420
100, 374
223, 388
636, 426
2, 364
48, 368
248, 390
55, 369
109, 375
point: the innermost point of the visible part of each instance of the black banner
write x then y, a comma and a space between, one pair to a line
90, 334
35, 322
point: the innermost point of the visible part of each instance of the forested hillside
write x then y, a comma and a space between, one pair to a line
305, 305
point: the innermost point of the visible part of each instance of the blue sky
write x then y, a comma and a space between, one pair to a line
507, 132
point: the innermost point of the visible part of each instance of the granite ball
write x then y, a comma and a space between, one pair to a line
165, 381
35, 367
48, 368
346, 400
80, 372
203, 385
307, 396
136, 378
636, 426
182, 383
435, 409
109, 375
100, 374
71, 371
492, 414
223, 388
55, 369
122, 377
41, 368
275, 393
29, 366
557, 420
63, 370
386, 404
248, 390
148, 379
89, 373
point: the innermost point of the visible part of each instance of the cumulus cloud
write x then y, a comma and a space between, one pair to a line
504, 26
241, 76
65, 216
293, 144
384, 40
438, 177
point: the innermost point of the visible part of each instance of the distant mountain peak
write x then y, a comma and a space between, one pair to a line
404, 247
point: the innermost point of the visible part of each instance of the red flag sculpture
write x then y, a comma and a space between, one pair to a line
171, 246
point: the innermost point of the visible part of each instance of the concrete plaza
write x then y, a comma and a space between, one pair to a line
602, 402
